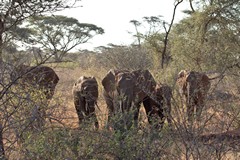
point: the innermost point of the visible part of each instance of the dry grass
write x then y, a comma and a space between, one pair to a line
219, 115
68, 75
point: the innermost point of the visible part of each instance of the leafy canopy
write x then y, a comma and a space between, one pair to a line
60, 34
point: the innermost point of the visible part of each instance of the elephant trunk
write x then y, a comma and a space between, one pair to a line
125, 104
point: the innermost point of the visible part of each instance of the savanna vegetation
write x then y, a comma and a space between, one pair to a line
32, 127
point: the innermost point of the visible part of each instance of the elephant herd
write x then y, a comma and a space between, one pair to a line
124, 91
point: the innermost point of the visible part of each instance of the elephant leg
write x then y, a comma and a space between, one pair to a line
79, 106
154, 113
190, 112
92, 116
136, 114
159, 117
110, 107
148, 109
167, 113
96, 124
199, 107
110, 110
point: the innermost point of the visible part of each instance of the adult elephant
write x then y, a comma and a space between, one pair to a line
124, 91
194, 86
85, 94
35, 85
39, 77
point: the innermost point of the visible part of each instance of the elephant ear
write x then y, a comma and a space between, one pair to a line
108, 81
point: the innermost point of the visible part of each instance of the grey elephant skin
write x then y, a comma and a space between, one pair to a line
124, 91
40, 77
85, 94
194, 87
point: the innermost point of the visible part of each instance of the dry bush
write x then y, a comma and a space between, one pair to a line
63, 139
130, 57
183, 141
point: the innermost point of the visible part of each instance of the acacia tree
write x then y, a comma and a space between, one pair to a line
60, 34
13, 12
209, 37
157, 35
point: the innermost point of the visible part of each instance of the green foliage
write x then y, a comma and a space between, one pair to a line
125, 57
152, 38
208, 38
60, 34
13, 13
85, 143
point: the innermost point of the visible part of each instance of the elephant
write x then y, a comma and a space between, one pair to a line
85, 93
31, 80
124, 91
164, 95
40, 77
194, 86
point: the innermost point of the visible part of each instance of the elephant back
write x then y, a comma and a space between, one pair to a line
164, 90
205, 82
40, 77
145, 81
202, 80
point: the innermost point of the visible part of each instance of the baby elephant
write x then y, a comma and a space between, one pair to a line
85, 92
160, 105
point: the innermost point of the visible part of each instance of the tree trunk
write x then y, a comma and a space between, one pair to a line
2, 152
1, 37
57, 56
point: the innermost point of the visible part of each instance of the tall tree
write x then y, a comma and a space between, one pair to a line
155, 36
209, 37
60, 34
13, 12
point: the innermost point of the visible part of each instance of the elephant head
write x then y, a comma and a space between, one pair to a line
125, 90
194, 87
85, 93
